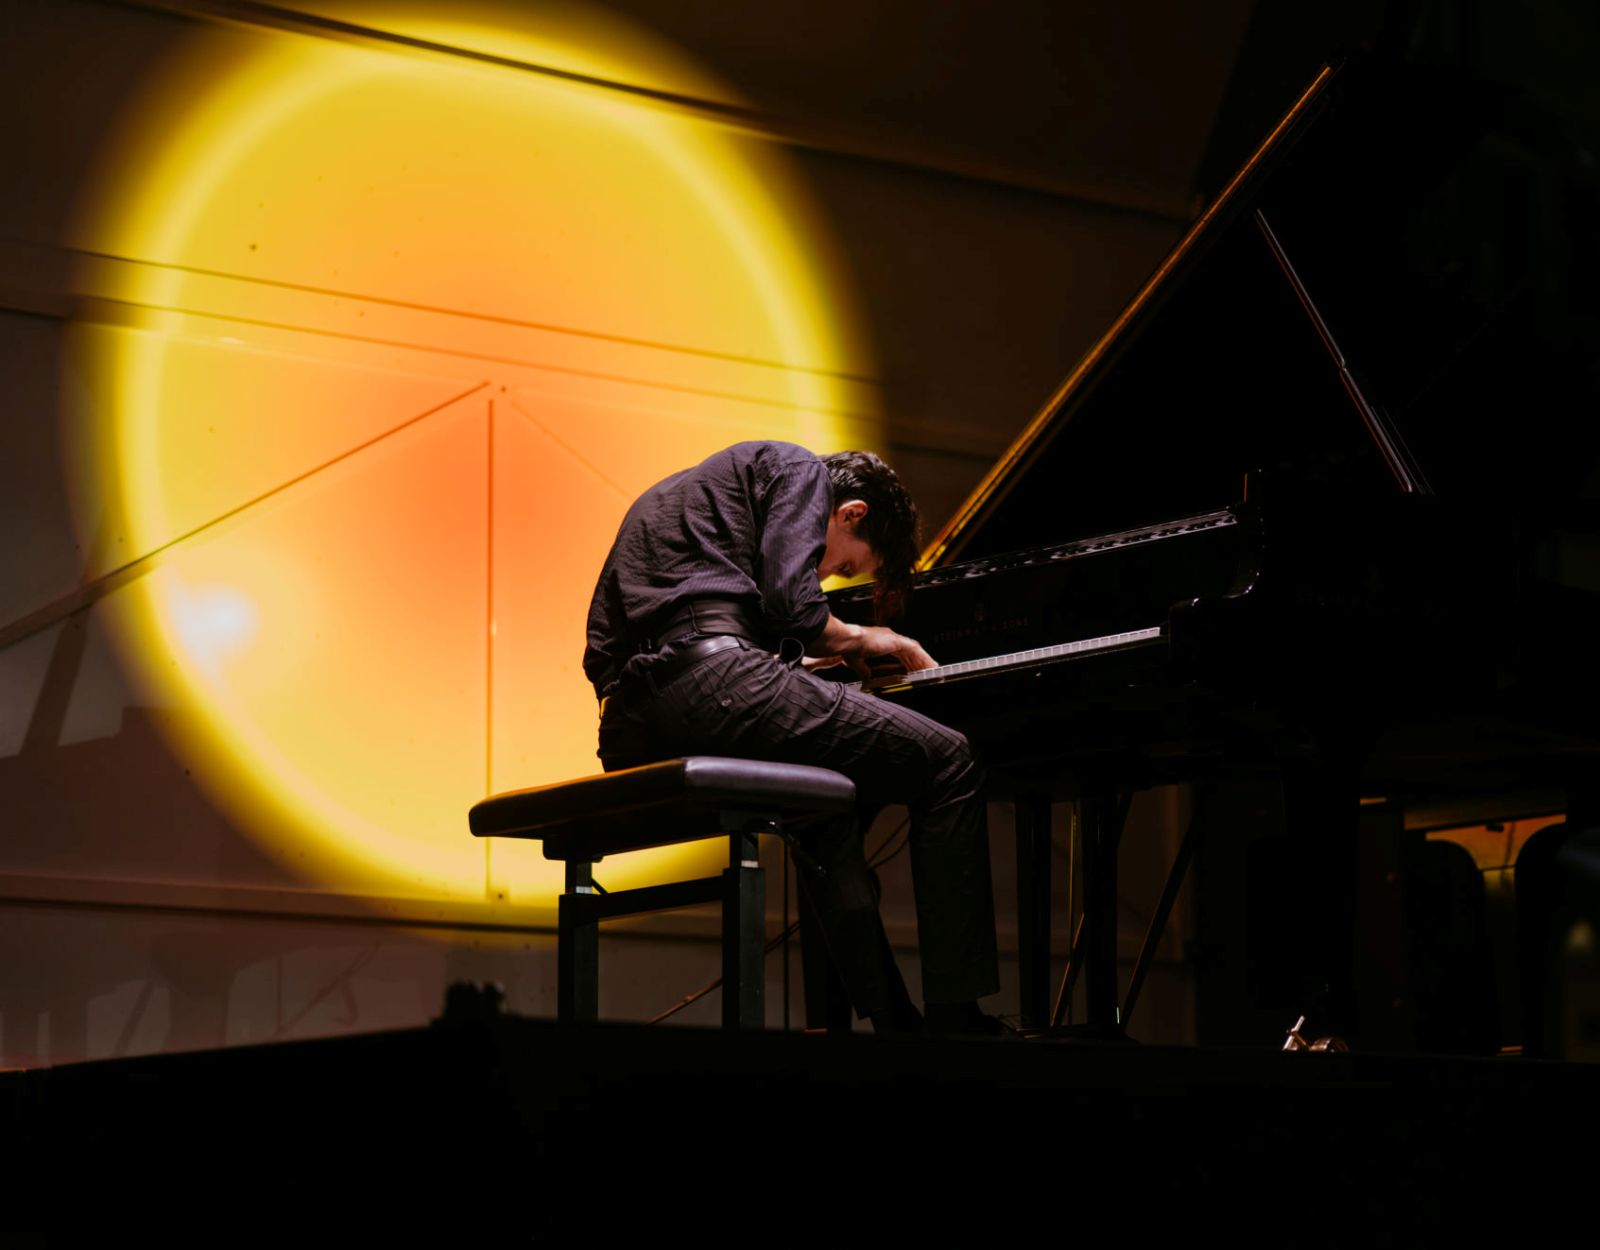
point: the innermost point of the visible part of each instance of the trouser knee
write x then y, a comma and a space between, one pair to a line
957, 769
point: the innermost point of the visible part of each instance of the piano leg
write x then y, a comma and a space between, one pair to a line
1094, 942
1312, 932
1033, 909
1158, 922
1101, 821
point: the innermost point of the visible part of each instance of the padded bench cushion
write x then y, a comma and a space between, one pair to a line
657, 804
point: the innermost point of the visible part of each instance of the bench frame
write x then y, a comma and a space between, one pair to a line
741, 891
667, 803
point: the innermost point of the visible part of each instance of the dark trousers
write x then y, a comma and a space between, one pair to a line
748, 704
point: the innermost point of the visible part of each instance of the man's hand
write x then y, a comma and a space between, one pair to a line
882, 648
866, 648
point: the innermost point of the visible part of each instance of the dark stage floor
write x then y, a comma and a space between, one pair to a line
534, 1129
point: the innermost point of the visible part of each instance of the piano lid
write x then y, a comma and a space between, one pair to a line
1377, 300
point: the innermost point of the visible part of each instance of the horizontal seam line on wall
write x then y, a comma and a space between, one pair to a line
480, 357
712, 935
273, 914
440, 311
609, 932
793, 132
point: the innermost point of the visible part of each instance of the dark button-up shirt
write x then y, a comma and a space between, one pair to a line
748, 523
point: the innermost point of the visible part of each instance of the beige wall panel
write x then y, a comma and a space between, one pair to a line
106, 982
59, 120
39, 555
117, 982
979, 299
111, 801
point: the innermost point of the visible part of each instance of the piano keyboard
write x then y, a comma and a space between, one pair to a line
1013, 660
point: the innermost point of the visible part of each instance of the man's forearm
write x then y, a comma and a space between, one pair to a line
837, 638
861, 644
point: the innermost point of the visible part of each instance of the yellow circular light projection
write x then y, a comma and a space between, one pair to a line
396, 338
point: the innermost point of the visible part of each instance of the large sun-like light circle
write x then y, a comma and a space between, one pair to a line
398, 340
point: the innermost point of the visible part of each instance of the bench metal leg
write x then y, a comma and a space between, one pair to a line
744, 935
578, 948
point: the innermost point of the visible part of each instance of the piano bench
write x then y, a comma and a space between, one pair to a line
664, 804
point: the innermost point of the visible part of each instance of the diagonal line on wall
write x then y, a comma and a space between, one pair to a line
301, 21
61, 673
90, 593
572, 451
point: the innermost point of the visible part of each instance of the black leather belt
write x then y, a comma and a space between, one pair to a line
685, 656
702, 617
698, 628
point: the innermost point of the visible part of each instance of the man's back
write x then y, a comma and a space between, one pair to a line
748, 523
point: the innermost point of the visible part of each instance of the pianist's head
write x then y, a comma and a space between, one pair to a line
872, 508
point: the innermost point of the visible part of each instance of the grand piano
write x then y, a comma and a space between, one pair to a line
1318, 511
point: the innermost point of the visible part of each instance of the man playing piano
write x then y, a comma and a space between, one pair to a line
707, 604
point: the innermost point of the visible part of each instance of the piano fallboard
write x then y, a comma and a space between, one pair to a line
1098, 586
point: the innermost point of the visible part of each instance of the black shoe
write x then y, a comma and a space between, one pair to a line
901, 1018
963, 1020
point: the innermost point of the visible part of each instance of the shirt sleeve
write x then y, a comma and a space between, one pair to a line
794, 536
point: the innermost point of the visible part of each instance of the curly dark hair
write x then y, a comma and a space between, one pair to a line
890, 526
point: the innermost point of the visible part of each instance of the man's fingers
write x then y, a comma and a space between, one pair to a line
884, 650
